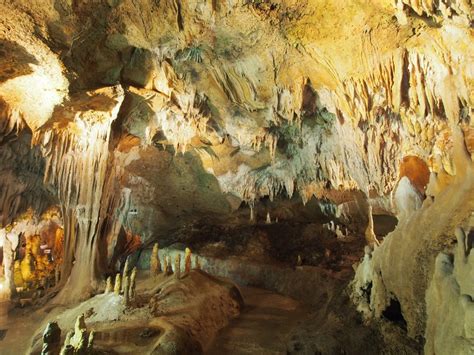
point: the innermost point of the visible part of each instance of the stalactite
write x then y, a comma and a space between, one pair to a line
76, 147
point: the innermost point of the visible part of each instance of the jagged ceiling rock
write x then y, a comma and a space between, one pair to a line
254, 99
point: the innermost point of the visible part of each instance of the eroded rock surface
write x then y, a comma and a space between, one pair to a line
146, 121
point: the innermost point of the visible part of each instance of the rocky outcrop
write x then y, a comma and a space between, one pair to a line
146, 115
412, 271
449, 301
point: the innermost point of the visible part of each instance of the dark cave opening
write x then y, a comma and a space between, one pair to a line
393, 313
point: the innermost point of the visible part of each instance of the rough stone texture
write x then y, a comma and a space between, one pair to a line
140, 117
170, 316
449, 301
427, 286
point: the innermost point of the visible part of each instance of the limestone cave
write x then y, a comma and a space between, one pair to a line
236, 177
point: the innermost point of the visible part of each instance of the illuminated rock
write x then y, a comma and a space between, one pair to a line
109, 286
187, 260
133, 282
118, 284
177, 266
126, 290
155, 264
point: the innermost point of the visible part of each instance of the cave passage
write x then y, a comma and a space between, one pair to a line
238, 177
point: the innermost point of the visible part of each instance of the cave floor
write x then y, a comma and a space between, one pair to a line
19, 325
264, 326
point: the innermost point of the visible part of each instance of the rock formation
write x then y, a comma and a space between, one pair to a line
187, 260
155, 264
51, 339
118, 284
272, 132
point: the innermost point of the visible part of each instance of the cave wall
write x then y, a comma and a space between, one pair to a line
142, 116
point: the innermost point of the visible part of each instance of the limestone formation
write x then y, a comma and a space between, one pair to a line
268, 220
197, 264
118, 284
177, 266
125, 273
155, 264
165, 265
126, 290
187, 260
181, 120
133, 282
10, 242
57, 274
299, 261
90, 343
450, 306
80, 338
67, 350
109, 286
370, 236
51, 339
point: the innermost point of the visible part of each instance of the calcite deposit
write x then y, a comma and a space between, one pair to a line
326, 143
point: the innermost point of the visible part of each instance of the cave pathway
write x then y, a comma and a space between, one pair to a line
264, 326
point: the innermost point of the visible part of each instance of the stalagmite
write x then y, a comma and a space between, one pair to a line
51, 339
125, 273
90, 343
268, 220
118, 284
187, 260
177, 266
67, 350
155, 264
340, 233
108, 286
79, 340
299, 261
57, 274
133, 282
165, 265
126, 289
370, 236
197, 264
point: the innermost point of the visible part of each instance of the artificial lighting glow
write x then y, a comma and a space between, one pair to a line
37, 94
